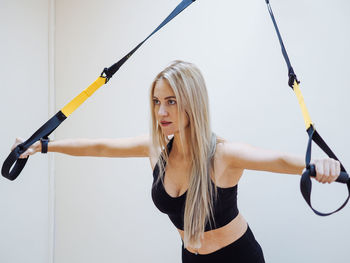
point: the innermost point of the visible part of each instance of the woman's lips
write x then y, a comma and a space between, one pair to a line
165, 123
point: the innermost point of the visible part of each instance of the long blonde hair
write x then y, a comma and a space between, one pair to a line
191, 94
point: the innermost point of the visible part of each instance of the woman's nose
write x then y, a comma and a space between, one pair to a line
162, 111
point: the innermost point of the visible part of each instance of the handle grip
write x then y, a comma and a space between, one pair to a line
13, 159
342, 178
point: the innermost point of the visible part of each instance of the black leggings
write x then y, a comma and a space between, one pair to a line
244, 250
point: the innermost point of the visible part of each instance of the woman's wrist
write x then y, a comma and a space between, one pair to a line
37, 147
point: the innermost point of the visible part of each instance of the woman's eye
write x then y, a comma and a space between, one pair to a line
172, 102
155, 102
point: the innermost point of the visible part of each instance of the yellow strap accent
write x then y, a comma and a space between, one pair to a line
78, 100
300, 97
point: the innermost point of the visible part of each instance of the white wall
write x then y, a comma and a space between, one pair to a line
26, 203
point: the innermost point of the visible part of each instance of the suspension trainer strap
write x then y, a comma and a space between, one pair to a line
305, 181
109, 72
45, 130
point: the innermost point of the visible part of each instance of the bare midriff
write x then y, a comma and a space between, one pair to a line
216, 239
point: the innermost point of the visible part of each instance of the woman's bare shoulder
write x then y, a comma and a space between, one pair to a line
226, 174
227, 151
225, 146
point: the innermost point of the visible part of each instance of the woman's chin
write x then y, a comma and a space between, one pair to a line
167, 132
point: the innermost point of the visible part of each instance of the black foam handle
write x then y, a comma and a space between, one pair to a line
342, 178
12, 159
306, 185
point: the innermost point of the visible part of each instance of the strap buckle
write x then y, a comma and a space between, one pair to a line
104, 74
44, 143
292, 77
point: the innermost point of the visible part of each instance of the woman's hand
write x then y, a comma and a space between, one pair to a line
34, 148
327, 170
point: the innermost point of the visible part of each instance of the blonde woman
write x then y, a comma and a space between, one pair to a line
195, 173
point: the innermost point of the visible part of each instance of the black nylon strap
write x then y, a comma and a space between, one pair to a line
45, 130
109, 72
291, 73
305, 181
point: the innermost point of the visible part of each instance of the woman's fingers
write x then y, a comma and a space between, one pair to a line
17, 141
327, 170
337, 169
30, 151
25, 154
319, 170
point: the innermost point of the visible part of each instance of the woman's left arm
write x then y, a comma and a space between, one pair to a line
244, 156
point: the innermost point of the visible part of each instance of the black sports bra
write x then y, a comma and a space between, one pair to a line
225, 206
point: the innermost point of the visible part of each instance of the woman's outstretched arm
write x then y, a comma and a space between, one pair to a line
122, 147
245, 156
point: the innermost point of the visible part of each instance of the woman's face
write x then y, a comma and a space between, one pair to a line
165, 109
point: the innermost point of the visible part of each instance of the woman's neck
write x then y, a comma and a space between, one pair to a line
181, 149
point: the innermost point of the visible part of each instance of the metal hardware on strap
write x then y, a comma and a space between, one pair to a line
292, 78
104, 74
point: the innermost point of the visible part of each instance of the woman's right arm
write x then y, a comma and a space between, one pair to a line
123, 147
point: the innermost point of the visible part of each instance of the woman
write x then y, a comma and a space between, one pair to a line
195, 173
